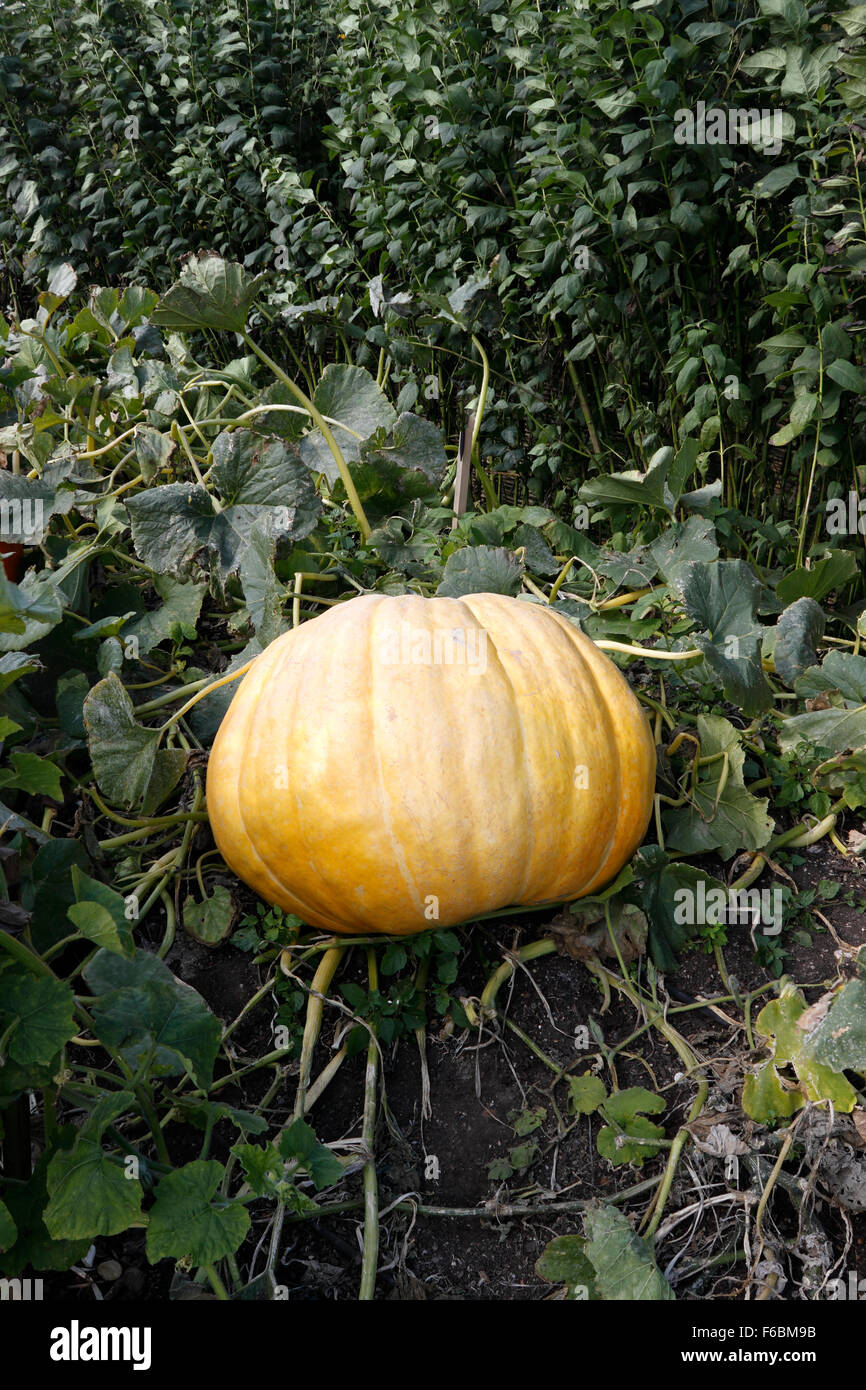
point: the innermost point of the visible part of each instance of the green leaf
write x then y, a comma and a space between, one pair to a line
178, 614
624, 1264
528, 1121
69, 699
722, 598
664, 889
264, 593
32, 774
646, 490
26, 1204
199, 1112
130, 769
8, 1229
481, 569
564, 1261
263, 1167
263, 484
43, 1009
411, 445
839, 1041
210, 921
91, 1195
725, 816
14, 665
842, 726
155, 1021
52, 889
834, 570
842, 671
299, 1141
624, 1111
352, 397
849, 377
793, 1046
798, 632
153, 449
210, 293
28, 611
766, 1100
189, 1220
684, 543
586, 1094
95, 923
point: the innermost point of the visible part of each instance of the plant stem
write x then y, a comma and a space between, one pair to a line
370, 1256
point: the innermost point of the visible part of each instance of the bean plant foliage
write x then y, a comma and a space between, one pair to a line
270, 277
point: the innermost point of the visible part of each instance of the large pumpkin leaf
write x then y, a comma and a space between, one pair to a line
798, 632
481, 569
412, 444
26, 1204
261, 482
130, 767
679, 545
843, 724
834, 570
151, 1017
624, 1264
722, 599
725, 815
188, 1219
209, 293
784, 1023
351, 396
839, 1040
36, 1013
91, 1195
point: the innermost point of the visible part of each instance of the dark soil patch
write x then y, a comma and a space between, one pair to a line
476, 1089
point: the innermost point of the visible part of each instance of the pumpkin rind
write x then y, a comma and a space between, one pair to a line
402, 763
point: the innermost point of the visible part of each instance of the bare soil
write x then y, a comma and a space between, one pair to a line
477, 1086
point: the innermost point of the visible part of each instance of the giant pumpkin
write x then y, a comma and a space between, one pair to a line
404, 763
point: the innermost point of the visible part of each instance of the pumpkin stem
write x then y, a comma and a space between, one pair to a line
207, 690
370, 1257
647, 651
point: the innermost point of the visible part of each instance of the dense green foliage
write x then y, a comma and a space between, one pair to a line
631, 289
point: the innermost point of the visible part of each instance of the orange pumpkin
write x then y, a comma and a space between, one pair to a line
403, 763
